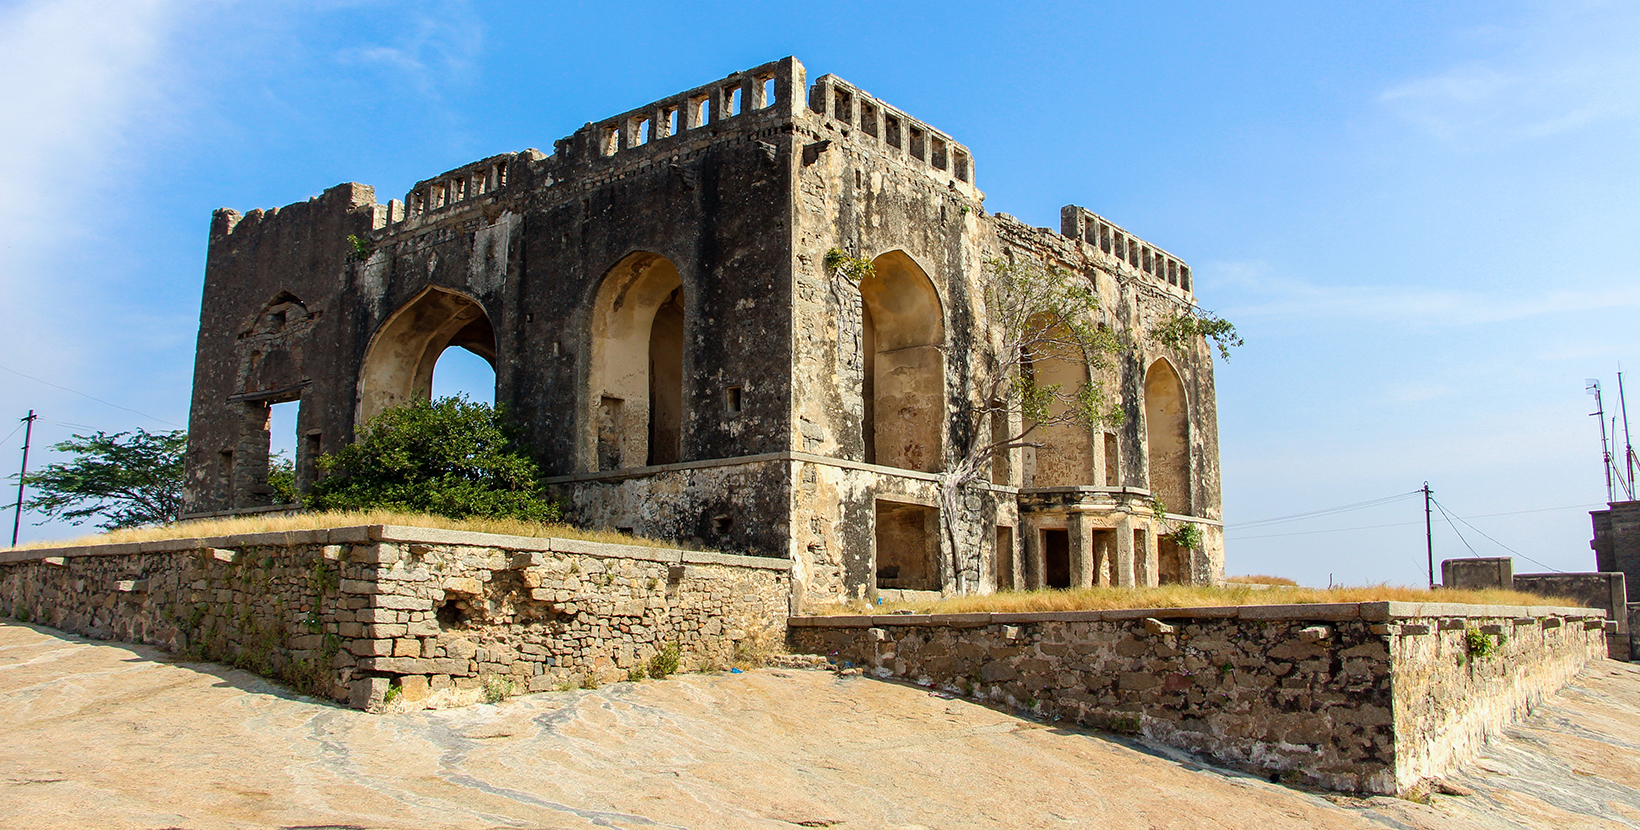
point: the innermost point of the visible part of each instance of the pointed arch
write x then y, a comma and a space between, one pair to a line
398, 366
1167, 436
635, 378
904, 384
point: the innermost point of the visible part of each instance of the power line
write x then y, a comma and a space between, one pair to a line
1327, 511
1410, 524
90, 397
1454, 527
1502, 545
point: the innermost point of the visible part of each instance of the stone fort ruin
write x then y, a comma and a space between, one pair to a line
654, 298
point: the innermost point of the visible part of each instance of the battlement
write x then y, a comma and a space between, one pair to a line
1123, 249
762, 92
865, 116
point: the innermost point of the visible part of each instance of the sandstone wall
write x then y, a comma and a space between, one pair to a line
1368, 697
348, 612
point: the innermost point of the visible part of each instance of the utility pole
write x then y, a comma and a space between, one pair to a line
17, 515
1429, 538
1592, 386
1628, 444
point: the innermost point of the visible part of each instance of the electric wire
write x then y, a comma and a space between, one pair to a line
13, 432
90, 397
1463, 519
1500, 544
1454, 527
1326, 511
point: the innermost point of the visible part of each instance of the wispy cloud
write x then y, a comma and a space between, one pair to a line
1256, 293
74, 76
1566, 67
431, 49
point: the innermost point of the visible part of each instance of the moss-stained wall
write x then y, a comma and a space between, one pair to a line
1362, 697
348, 612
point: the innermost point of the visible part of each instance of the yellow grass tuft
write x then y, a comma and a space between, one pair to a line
1184, 596
1261, 579
274, 522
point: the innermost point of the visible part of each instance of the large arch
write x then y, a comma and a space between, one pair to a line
398, 367
635, 383
1167, 437
904, 383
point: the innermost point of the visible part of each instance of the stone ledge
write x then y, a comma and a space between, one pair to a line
1369, 611
364, 534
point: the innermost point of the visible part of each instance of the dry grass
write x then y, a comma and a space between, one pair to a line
273, 522
1261, 579
1185, 596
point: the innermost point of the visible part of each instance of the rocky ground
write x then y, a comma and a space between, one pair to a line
111, 736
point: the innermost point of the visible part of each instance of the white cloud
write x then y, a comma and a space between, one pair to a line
431, 49
1565, 68
1258, 294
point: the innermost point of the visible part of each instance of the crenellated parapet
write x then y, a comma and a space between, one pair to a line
1121, 251
860, 117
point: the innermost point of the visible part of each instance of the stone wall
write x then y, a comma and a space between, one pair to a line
1365, 697
346, 613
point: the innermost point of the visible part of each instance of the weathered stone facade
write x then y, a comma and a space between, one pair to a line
1365, 697
348, 612
655, 300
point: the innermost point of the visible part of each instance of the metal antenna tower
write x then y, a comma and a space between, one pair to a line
1592, 386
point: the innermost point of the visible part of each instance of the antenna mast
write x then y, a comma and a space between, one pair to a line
1592, 386
1628, 445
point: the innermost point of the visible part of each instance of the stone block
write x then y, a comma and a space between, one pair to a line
400, 602
407, 647
413, 687
1157, 627
371, 648
368, 693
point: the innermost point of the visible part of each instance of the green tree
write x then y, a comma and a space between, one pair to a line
451, 457
125, 478
1035, 313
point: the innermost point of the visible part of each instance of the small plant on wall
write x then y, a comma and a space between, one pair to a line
1480, 645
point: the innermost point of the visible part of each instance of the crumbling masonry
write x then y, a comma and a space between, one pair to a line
655, 301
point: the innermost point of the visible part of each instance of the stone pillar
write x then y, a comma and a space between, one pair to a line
1030, 557
1081, 538
250, 458
1147, 559
1124, 551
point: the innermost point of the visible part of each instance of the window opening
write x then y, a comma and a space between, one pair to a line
639, 134
842, 106
731, 399
611, 141
669, 121
1113, 463
768, 91
891, 131
938, 159
735, 99
960, 165
918, 139
907, 538
868, 119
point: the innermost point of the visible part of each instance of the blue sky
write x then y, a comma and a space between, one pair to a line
1421, 216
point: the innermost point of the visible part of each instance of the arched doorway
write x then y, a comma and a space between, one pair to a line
399, 365
1167, 437
904, 383
636, 377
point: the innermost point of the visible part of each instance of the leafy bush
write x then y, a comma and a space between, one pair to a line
665, 662
449, 457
